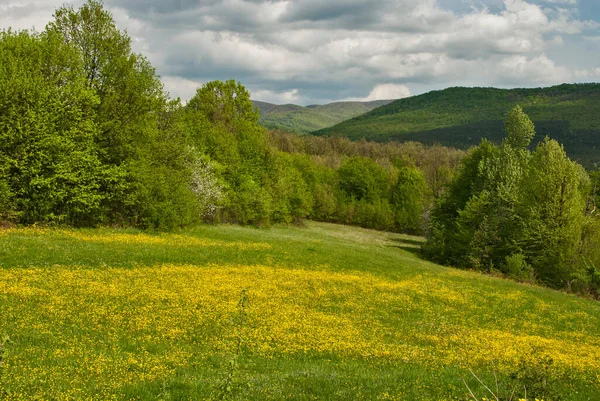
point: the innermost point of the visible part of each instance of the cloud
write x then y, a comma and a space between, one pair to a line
28, 14
385, 92
291, 96
312, 51
181, 87
538, 69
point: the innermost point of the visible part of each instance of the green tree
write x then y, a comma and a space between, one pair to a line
593, 207
409, 199
51, 168
292, 198
449, 240
552, 210
362, 178
520, 212
139, 139
519, 129
129, 91
221, 122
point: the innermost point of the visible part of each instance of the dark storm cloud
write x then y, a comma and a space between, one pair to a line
360, 11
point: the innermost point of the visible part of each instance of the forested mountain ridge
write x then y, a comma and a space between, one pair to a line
304, 119
461, 117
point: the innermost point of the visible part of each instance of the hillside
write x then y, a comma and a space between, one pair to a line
301, 120
324, 312
460, 117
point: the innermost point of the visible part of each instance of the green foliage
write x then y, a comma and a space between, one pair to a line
221, 122
409, 198
128, 89
149, 180
461, 117
513, 210
538, 376
292, 198
248, 203
594, 198
52, 169
362, 178
325, 204
7, 209
89, 137
449, 239
519, 129
589, 280
552, 210
517, 268
302, 120
84, 136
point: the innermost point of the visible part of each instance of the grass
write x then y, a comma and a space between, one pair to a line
329, 313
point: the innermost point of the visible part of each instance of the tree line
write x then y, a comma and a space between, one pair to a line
88, 136
528, 214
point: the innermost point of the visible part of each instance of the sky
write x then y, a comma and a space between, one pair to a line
318, 51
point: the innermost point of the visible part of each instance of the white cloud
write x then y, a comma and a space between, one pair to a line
287, 97
180, 87
565, 2
536, 70
385, 92
589, 74
27, 14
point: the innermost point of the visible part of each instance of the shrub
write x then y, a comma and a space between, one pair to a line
517, 268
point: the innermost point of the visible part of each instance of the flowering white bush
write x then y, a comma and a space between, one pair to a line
207, 186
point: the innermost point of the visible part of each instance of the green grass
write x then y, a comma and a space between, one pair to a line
302, 120
460, 117
334, 313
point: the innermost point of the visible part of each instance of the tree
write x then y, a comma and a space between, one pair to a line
221, 122
51, 169
129, 91
593, 206
292, 199
449, 239
362, 178
552, 210
519, 129
145, 154
409, 198
510, 209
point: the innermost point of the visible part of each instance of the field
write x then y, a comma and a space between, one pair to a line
323, 312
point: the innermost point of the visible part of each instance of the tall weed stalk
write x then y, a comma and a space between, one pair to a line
226, 388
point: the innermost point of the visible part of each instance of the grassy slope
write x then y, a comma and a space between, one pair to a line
298, 119
334, 313
460, 117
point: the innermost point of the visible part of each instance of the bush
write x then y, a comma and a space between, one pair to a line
517, 268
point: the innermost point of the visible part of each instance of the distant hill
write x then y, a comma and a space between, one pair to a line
301, 120
460, 117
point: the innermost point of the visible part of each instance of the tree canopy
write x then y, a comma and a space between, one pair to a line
520, 212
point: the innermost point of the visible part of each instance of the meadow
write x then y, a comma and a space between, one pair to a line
323, 312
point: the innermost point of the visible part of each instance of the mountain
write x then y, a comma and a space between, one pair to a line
461, 117
301, 120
